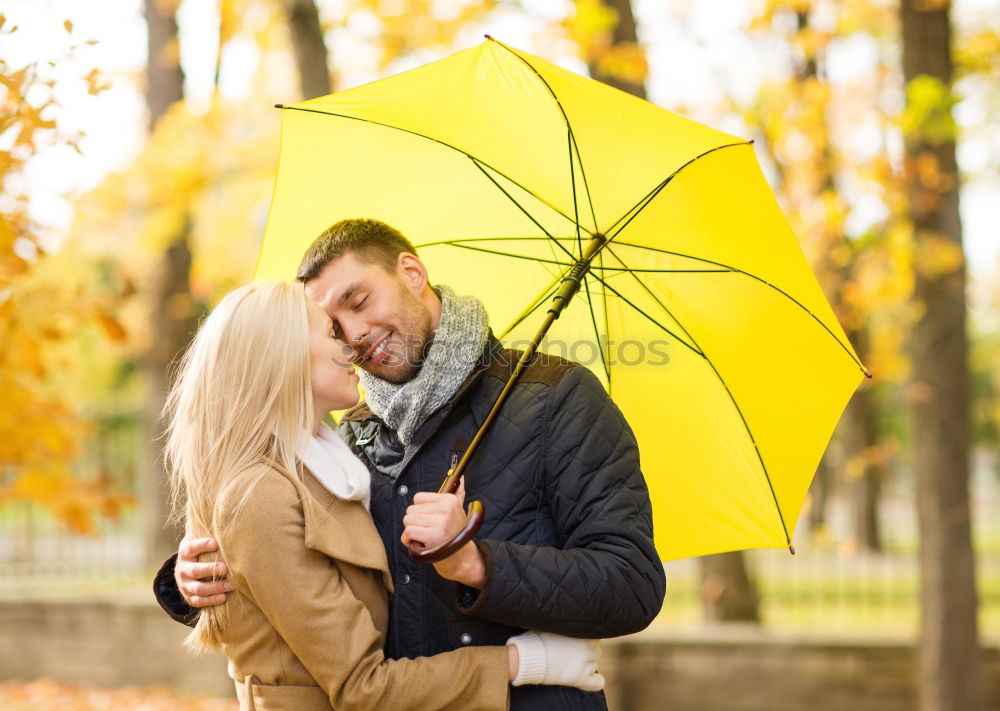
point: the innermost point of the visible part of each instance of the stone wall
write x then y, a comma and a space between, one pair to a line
733, 669
711, 669
108, 644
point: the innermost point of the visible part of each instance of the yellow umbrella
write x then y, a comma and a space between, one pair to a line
697, 309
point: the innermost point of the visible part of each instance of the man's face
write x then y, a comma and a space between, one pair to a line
377, 313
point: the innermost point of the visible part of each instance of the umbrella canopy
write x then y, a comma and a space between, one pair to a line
699, 314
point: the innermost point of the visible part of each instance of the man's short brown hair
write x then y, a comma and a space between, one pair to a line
370, 240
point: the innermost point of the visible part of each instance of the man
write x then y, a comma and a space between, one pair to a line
567, 544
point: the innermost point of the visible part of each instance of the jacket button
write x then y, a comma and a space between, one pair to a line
403, 490
406, 578
466, 638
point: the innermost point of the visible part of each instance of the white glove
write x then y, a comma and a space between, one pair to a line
552, 659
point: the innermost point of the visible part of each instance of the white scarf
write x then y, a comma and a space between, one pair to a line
334, 465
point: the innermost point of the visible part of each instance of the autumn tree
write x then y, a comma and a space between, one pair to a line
950, 666
309, 48
806, 122
47, 300
172, 310
607, 34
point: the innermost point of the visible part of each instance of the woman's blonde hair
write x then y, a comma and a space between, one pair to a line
241, 397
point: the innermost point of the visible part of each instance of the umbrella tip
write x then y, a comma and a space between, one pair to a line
488, 37
868, 373
791, 549
279, 106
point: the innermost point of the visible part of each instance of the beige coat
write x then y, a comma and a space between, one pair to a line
308, 619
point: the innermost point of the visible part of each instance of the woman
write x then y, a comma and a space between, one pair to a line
252, 466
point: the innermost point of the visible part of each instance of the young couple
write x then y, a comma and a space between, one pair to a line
302, 532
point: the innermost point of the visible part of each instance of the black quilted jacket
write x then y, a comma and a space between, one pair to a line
568, 537
567, 540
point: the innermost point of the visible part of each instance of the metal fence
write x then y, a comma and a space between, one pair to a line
831, 585
828, 585
40, 556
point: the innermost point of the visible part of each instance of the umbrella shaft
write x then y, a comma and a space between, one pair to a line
571, 282
570, 286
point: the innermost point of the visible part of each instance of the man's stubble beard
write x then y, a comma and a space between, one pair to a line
417, 335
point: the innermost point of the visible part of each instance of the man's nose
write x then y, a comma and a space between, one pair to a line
355, 331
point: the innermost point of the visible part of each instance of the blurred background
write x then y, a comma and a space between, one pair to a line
138, 146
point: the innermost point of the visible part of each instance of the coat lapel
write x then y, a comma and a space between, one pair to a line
341, 529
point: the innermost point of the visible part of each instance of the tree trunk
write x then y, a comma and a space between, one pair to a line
950, 666
309, 48
728, 593
171, 313
624, 33
856, 430
819, 495
164, 77
859, 432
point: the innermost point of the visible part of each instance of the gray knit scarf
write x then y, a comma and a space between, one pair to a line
452, 355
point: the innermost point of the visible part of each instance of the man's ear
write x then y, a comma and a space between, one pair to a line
412, 271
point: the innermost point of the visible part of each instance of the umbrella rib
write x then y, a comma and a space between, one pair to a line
697, 349
547, 292
438, 141
583, 175
569, 128
728, 268
632, 212
542, 298
463, 240
652, 320
597, 336
622, 269
572, 183
460, 244
604, 299
654, 296
510, 197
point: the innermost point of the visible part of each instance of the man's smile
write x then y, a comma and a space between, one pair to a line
378, 351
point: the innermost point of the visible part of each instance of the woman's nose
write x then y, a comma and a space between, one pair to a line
345, 356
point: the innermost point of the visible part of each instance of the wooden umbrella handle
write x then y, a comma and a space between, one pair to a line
443, 550
472, 523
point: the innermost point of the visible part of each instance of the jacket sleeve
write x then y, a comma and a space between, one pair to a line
604, 578
170, 598
303, 595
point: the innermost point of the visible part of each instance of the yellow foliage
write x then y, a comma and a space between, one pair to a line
212, 171
937, 255
928, 113
40, 308
408, 25
979, 53
626, 61
591, 25
887, 354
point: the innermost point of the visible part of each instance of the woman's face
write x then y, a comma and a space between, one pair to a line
334, 382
